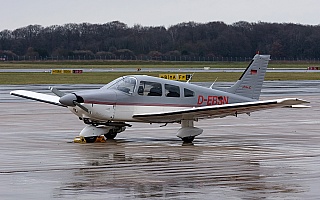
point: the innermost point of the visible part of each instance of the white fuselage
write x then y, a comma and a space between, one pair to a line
121, 113
136, 95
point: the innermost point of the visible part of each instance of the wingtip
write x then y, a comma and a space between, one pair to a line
294, 103
13, 92
302, 101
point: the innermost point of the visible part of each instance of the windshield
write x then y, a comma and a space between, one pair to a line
125, 84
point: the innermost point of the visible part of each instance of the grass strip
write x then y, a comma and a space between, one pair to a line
105, 77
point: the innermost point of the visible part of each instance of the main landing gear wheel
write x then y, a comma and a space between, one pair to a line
188, 139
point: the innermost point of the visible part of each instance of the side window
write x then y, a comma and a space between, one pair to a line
188, 93
147, 88
172, 90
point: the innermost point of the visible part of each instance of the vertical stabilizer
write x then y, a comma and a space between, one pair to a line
250, 83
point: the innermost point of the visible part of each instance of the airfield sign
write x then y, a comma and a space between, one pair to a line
66, 71
177, 77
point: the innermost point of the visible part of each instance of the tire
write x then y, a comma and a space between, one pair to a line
188, 139
90, 139
110, 135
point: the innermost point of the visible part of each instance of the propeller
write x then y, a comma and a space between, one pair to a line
57, 92
70, 99
81, 106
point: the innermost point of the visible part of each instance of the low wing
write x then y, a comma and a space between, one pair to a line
37, 97
216, 111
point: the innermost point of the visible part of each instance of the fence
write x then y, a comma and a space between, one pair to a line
149, 58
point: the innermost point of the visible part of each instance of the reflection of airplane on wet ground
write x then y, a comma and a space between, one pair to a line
164, 171
139, 98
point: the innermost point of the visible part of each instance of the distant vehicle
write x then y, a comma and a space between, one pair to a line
139, 98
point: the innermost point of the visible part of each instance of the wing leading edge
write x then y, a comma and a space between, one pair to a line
217, 111
37, 97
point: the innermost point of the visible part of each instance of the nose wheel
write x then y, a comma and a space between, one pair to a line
111, 134
91, 133
90, 139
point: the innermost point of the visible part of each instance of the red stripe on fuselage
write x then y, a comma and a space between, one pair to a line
140, 104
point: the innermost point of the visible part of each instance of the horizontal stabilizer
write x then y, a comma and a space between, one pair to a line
37, 97
217, 111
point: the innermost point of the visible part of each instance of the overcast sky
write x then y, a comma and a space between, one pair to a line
21, 13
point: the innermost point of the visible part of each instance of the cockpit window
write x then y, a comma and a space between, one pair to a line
125, 84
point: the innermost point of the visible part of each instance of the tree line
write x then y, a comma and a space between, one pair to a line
116, 39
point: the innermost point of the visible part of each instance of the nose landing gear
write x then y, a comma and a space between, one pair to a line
91, 133
90, 139
111, 134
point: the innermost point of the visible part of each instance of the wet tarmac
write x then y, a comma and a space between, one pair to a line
272, 154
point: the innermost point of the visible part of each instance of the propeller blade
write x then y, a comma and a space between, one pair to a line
57, 92
82, 107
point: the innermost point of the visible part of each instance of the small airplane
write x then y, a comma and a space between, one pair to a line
140, 98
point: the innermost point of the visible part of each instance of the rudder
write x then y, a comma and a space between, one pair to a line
250, 83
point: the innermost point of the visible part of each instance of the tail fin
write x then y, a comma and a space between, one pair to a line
250, 83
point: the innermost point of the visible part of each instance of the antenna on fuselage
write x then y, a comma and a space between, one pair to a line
190, 78
213, 83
